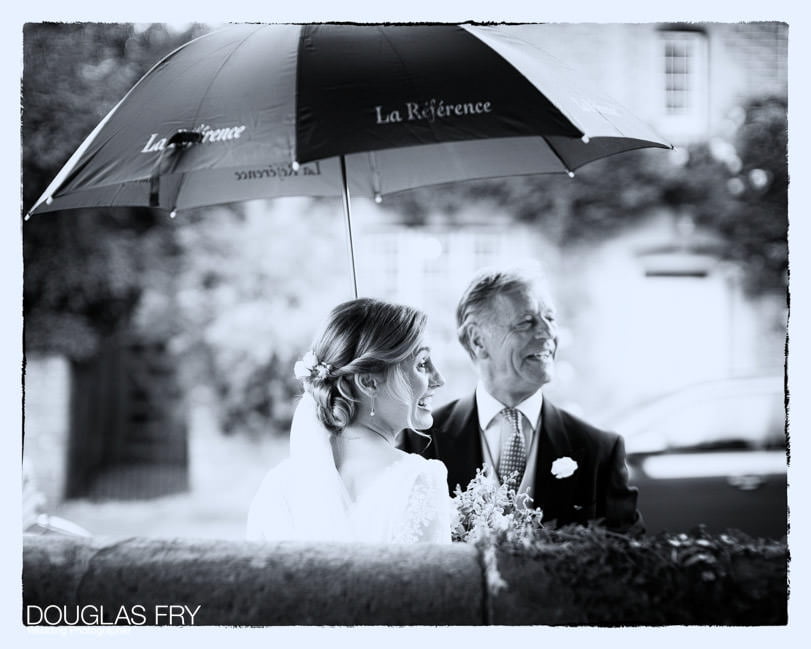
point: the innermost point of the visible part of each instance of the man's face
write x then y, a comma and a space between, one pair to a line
519, 336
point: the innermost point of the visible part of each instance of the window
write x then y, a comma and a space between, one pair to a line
677, 75
684, 83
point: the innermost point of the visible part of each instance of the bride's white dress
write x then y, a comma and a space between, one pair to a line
305, 499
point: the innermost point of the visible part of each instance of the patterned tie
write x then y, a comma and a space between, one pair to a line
513, 454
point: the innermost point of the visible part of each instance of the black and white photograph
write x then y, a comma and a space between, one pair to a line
406, 322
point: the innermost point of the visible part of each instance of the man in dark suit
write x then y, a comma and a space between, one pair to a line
573, 471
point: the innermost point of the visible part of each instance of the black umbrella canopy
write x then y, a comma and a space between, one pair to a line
257, 111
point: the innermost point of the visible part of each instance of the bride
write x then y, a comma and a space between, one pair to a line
368, 376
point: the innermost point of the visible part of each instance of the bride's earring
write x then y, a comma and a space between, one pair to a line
372, 411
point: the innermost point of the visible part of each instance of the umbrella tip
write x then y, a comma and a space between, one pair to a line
296, 166
378, 198
172, 214
585, 139
571, 174
49, 200
27, 217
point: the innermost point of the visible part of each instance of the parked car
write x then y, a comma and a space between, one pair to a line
713, 453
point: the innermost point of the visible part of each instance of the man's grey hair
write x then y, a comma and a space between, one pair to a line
477, 299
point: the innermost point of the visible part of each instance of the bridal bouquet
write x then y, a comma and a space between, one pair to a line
490, 515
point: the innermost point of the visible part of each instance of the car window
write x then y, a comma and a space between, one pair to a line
715, 422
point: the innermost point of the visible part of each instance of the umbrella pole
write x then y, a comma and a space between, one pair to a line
347, 214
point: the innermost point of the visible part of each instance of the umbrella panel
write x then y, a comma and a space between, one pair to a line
371, 88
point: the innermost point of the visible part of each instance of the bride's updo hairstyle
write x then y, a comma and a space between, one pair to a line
360, 336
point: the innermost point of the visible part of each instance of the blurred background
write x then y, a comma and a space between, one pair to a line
159, 352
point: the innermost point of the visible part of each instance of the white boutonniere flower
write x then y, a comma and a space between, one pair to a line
563, 467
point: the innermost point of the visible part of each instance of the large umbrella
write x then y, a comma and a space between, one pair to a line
259, 111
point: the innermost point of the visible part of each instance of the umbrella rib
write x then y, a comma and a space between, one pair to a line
376, 185
559, 157
181, 181
607, 121
348, 216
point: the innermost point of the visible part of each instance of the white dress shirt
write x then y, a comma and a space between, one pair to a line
493, 426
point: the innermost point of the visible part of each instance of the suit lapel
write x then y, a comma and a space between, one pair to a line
550, 492
458, 443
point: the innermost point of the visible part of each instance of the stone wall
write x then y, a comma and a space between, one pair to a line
253, 584
258, 584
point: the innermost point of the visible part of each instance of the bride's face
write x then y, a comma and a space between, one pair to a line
409, 405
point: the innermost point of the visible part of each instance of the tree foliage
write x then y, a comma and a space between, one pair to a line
756, 223
249, 294
84, 270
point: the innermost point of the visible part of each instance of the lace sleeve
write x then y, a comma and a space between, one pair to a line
427, 511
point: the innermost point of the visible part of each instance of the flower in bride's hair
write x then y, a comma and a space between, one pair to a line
303, 369
310, 367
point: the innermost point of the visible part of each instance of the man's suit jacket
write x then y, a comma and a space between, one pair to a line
598, 489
